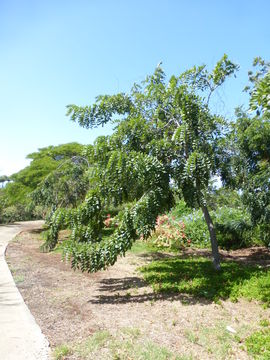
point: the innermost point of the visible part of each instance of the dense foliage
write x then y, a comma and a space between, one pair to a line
150, 192
24, 196
248, 151
170, 122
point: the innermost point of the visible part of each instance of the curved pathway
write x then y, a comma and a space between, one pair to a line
20, 336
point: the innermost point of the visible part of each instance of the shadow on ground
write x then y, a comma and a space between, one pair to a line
187, 278
113, 286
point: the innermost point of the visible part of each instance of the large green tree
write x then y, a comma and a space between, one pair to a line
17, 194
248, 150
167, 121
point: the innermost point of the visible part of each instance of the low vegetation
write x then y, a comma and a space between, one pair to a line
128, 343
258, 344
195, 276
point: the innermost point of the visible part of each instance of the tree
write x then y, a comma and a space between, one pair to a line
249, 150
65, 186
166, 139
169, 124
4, 179
18, 192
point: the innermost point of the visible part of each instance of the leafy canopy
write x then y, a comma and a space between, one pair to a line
165, 140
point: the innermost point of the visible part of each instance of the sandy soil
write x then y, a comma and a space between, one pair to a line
70, 306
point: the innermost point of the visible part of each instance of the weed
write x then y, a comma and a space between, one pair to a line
61, 351
18, 279
216, 340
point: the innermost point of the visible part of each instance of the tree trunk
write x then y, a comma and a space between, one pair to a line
213, 238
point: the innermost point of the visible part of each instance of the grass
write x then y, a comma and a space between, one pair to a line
215, 340
128, 343
140, 247
196, 277
258, 344
18, 278
61, 352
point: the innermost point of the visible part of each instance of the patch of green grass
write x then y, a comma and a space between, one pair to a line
140, 247
18, 279
61, 351
92, 344
217, 339
196, 276
128, 343
264, 322
258, 344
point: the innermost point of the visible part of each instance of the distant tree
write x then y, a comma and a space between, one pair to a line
17, 192
249, 150
4, 179
65, 186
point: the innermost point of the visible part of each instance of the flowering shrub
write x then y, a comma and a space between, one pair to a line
170, 233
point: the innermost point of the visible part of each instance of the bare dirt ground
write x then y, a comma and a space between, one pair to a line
70, 306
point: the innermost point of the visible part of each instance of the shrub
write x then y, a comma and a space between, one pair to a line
180, 209
186, 227
15, 213
170, 233
196, 228
234, 229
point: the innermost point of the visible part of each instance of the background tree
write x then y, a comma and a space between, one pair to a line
3, 180
16, 195
249, 150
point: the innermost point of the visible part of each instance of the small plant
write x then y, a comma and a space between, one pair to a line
61, 351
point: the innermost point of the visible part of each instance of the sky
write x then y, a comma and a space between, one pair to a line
59, 52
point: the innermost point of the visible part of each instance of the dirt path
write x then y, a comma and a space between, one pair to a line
20, 336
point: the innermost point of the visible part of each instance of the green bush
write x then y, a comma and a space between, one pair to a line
15, 213
233, 228
180, 209
196, 228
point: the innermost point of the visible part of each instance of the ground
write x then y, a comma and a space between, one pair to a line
114, 314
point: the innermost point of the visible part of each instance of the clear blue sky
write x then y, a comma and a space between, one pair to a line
57, 52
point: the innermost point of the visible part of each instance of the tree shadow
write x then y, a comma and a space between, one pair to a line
196, 277
36, 231
120, 284
113, 287
252, 256
187, 278
249, 256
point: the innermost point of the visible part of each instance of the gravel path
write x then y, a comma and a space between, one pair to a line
20, 336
